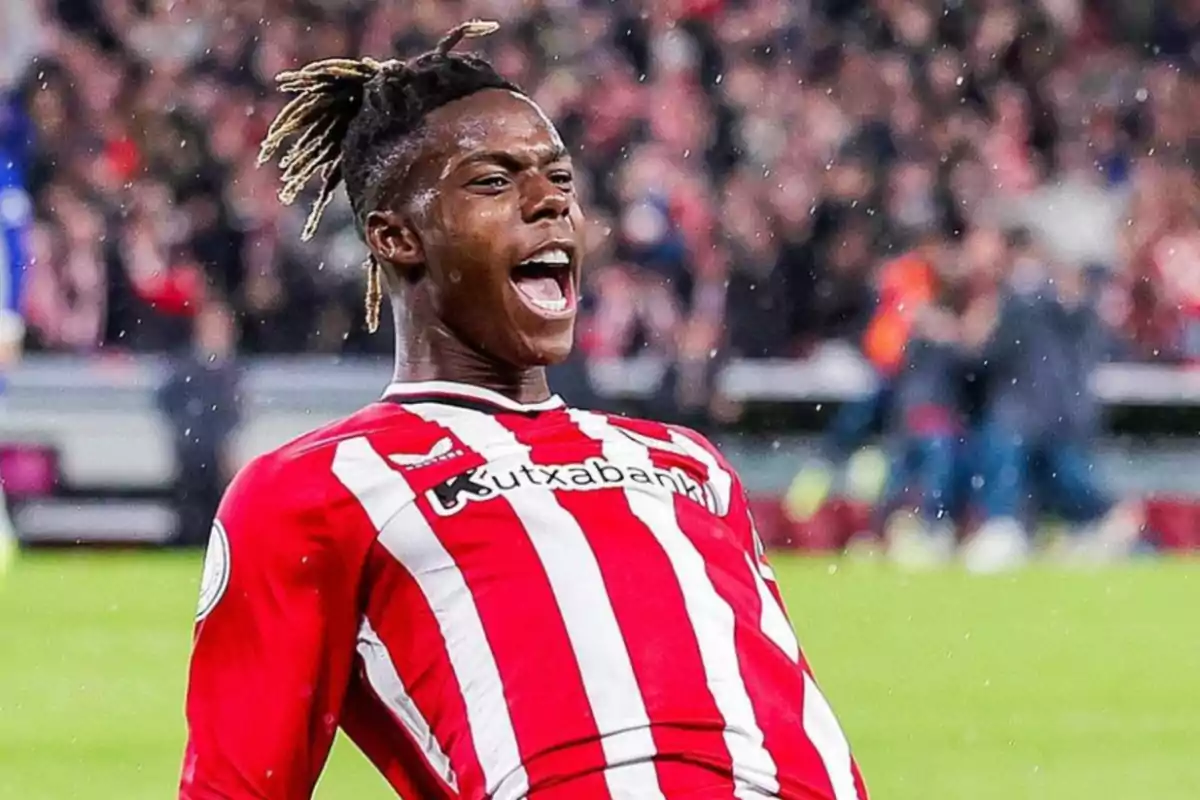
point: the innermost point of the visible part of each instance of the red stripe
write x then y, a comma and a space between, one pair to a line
649, 607
418, 651
386, 743
399, 613
529, 640
568, 440
778, 699
661, 641
859, 783
584, 760
774, 682
670, 455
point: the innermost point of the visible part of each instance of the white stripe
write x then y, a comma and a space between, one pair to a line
388, 687
760, 550
711, 616
773, 621
719, 478
405, 533
820, 723
823, 731
583, 600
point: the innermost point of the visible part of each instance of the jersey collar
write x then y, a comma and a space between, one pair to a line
454, 393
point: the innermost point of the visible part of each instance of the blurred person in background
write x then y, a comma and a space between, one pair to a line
629, 313
906, 291
18, 42
1040, 420
757, 162
167, 286
1163, 245
67, 281
696, 123
201, 401
930, 410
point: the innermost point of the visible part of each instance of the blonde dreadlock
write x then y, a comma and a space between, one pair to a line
348, 114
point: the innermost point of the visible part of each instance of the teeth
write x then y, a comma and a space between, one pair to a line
556, 256
552, 305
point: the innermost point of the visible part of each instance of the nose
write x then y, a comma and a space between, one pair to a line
544, 199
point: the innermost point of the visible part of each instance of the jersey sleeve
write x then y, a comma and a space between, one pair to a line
273, 645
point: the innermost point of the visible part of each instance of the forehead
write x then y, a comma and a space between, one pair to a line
490, 120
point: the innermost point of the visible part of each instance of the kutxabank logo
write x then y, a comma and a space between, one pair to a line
489, 482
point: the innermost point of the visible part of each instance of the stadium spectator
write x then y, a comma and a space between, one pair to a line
201, 401
906, 287
779, 148
1039, 420
927, 416
17, 27
1164, 256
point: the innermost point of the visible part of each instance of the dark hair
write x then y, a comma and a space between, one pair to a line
350, 114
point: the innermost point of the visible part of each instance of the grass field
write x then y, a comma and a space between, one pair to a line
1044, 685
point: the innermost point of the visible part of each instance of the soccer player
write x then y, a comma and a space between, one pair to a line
494, 595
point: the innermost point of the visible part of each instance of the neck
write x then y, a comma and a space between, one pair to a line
426, 350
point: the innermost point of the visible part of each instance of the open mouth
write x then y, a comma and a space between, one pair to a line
544, 281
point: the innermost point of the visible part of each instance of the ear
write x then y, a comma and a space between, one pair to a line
394, 240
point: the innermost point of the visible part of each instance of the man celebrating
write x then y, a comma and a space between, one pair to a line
494, 595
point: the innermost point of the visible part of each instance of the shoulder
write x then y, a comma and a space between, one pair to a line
292, 491
695, 439
373, 420
275, 505
726, 484
286, 522
665, 433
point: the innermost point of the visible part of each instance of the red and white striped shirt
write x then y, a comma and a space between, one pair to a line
498, 600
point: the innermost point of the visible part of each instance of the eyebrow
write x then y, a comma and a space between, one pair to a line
507, 160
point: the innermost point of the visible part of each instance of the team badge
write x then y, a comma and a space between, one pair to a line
215, 577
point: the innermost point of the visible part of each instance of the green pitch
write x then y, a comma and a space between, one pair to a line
1047, 685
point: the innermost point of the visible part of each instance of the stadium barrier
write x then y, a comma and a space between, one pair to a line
94, 424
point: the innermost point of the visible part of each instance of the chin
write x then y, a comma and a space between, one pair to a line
548, 354
547, 350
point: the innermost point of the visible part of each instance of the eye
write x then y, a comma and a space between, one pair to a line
493, 182
562, 177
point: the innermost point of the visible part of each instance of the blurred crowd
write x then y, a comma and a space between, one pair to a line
983, 354
749, 165
985, 197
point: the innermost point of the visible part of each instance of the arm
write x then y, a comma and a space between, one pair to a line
274, 641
